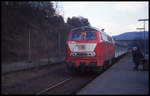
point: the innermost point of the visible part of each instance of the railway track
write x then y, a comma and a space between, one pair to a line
61, 85
53, 86
58, 81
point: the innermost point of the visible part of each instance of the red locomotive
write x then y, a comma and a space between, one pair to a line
88, 48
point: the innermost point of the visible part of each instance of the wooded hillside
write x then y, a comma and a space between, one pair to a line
33, 29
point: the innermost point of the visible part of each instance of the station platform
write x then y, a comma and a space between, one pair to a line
120, 78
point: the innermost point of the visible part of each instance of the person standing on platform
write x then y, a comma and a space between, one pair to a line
137, 57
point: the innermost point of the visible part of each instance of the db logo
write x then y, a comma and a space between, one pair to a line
81, 47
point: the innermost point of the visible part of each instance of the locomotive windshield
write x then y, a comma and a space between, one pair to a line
75, 36
86, 36
90, 36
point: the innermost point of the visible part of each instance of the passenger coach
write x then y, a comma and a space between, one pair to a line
88, 48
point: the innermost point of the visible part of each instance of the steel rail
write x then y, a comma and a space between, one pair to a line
53, 86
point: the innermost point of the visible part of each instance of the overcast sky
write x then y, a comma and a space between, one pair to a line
114, 17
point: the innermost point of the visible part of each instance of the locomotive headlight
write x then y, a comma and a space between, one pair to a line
92, 54
73, 54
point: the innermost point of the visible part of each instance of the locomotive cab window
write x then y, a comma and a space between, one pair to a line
104, 36
75, 36
100, 34
109, 39
90, 36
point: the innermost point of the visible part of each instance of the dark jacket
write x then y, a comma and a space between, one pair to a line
137, 55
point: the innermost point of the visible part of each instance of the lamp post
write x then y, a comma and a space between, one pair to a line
144, 33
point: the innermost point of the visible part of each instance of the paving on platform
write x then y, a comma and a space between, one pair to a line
120, 79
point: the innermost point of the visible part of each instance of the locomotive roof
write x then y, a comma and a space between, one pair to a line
85, 28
